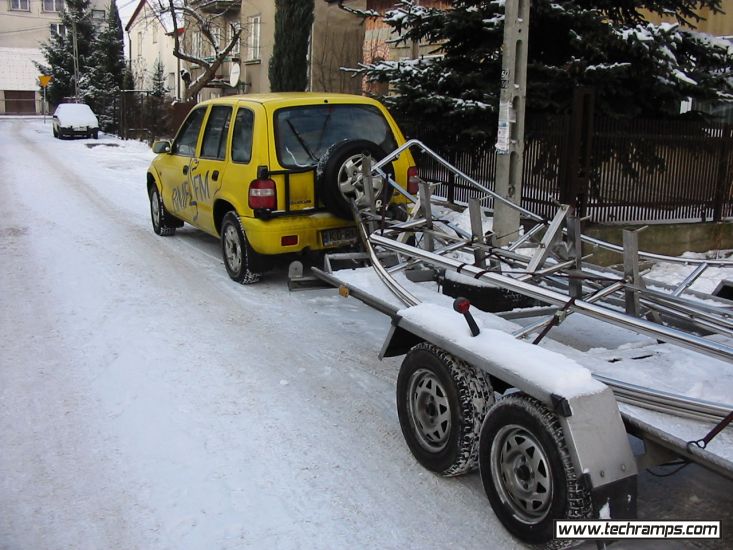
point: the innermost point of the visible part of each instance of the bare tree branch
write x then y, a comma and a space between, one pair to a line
189, 17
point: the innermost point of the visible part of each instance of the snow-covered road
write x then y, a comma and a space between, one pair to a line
146, 401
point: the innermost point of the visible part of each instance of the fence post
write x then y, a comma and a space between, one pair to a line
575, 164
452, 179
723, 183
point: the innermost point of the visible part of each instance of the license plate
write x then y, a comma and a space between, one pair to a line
339, 237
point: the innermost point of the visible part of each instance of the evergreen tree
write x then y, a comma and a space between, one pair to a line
636, 68
59, 50
157, 80
104, 79
289, 62
128, 79
155, 103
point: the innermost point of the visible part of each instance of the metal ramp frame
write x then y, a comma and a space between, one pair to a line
546, 264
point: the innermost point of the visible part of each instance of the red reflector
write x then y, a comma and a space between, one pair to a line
289, 240
461, 305
262, 195
413, 180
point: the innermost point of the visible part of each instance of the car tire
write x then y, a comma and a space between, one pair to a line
441, 404
339, 180
55, 133
527, 471
236, 251
163, 222
95, 134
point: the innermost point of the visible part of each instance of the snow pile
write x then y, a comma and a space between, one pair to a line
675, 273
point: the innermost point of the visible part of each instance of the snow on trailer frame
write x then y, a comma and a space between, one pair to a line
558, 449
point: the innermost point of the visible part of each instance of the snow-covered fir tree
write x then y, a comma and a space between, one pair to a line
158, 87
155, 103
103, 81
59, 50
636, 68
288, 66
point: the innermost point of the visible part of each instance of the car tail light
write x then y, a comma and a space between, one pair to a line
413, 180
262, 195
289, 240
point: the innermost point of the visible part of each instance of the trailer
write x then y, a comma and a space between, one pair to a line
546, 425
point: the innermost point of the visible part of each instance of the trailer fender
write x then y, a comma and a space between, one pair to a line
398, 341
600, 450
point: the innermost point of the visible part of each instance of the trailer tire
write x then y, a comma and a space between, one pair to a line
441, 403
339, 180
527, 471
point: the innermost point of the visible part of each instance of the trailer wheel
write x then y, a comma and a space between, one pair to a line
526, 469
441, 402
339, 177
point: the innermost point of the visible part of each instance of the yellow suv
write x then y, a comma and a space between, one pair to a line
274, 174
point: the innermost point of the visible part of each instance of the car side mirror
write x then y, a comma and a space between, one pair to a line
161, 147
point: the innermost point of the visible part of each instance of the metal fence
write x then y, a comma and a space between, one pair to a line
660, 170
147, 117
639, 170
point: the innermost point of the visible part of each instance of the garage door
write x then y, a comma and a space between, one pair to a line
19, 103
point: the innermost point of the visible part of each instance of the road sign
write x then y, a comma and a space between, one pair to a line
45, 80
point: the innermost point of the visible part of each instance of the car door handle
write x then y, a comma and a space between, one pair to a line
215, 175
185, 170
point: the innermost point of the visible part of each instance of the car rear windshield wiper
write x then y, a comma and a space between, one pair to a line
301, 141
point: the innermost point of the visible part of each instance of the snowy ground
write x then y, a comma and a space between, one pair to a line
146, 401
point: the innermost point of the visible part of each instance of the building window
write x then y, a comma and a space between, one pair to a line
98, 16
20, 5
253, 38
53, 5
58, 29
197, 44
155, 34
235, 50
139, 44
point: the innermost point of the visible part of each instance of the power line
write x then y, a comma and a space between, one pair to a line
29, 29
29, 16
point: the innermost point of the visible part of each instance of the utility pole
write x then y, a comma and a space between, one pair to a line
510, 137
76, 61
415, 45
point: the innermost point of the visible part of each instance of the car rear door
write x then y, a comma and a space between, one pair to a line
207, 170
248, 151
174, 169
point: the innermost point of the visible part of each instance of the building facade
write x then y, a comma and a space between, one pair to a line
150, 40
24, 26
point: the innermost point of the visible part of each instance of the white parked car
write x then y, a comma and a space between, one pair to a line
75, 119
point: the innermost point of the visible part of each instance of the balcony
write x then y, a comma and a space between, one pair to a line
218, 6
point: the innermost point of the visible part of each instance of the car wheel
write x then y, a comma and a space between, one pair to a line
340, 180
95, 134
527, 471
236, 250
441, 403
162, 223
55, 133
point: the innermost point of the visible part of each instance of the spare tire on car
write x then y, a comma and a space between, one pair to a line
339, 177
